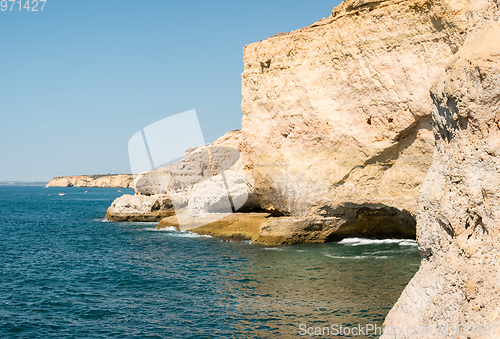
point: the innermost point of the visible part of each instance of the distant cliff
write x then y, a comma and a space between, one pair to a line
107, 180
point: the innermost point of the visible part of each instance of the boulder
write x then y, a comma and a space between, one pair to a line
140, 208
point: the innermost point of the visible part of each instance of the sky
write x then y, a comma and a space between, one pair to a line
80, 78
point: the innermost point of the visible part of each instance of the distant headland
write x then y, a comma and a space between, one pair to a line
99, 180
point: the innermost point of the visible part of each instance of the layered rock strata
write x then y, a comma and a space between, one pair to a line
455, 293
110, 180
337, 115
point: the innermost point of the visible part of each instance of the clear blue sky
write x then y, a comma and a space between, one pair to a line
80, 78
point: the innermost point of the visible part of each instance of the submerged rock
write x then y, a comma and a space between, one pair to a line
459, 207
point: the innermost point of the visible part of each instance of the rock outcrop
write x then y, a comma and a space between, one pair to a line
209, 179
108, 180
232, 227
459, 207
337, 115
140, 208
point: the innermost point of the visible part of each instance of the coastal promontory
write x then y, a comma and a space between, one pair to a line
336, 136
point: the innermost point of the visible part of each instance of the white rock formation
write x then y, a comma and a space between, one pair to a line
140, 208
207, 180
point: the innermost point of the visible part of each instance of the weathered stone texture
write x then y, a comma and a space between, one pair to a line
458, 225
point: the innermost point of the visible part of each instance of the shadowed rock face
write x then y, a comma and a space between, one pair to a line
459, 208
348, 220
339, 112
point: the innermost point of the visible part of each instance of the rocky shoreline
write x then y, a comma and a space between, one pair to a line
336, 135
345, 123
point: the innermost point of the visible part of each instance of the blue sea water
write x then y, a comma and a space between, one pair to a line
66, 273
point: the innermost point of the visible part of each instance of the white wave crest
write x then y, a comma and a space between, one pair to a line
408, 243
173, 232
344, 257
356, 257
186, 234
166, 229
362, 241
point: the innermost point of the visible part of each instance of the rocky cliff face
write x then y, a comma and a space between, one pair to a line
337, 114
459, 208
116, 180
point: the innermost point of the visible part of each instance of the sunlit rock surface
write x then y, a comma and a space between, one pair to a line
339, 112
209, 179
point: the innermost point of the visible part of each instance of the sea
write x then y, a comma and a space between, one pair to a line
66, 272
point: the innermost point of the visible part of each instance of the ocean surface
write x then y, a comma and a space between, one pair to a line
67, 273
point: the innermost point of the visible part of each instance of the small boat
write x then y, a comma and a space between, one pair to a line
62, 194
85, 191
119, 190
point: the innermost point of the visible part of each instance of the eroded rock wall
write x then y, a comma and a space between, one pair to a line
458, 224
339, 112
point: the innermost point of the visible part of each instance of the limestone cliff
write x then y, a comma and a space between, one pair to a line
111, 180
337, 115
337, 132
459, 207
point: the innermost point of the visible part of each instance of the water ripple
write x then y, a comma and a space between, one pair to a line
66, 272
